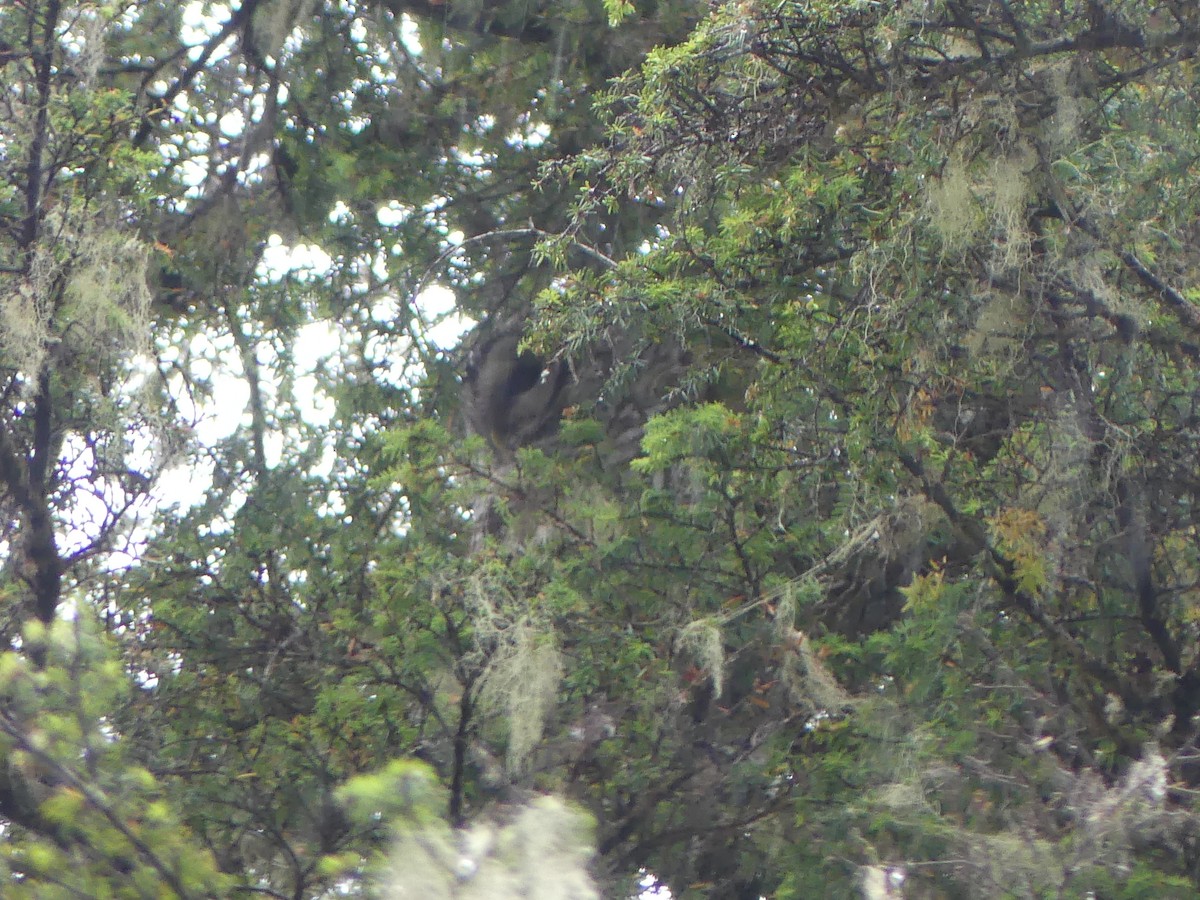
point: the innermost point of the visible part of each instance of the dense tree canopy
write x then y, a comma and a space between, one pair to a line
810, 503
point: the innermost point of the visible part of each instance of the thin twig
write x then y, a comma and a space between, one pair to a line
501, 235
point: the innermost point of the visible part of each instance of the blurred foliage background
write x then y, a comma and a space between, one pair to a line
572, 449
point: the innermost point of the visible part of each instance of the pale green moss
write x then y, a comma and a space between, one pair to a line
703, 641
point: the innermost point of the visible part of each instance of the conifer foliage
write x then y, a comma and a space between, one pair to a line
809, 507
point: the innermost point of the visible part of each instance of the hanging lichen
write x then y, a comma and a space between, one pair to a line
522, 670
703, 640
84, 289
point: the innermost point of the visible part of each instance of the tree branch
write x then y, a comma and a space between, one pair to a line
95, 798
